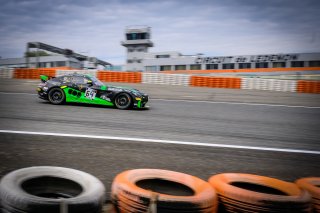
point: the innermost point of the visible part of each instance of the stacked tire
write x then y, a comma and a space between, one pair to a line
312, 185
163, 191
252, 193
51, 190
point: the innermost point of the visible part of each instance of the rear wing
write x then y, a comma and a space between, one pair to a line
45, 78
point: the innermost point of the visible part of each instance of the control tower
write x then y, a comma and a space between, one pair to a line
137, 41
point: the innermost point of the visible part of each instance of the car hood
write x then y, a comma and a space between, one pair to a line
124, 89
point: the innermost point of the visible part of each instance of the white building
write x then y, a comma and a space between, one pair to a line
139, 59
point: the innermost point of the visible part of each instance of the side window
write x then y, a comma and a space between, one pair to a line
78, 80
66, 79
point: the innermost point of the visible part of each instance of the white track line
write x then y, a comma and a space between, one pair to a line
164, 142
236, 103
194, 101
17, 93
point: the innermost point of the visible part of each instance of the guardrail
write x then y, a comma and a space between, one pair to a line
300, 86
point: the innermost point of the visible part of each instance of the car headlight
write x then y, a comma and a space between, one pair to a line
45, 89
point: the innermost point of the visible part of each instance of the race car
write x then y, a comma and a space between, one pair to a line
80, 88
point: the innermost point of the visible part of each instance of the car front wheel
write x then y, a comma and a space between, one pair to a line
123, 101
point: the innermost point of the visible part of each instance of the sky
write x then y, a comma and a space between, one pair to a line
211, 27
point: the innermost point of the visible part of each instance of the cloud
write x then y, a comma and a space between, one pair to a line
211, 27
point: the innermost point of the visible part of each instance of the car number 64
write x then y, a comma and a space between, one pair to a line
90, 93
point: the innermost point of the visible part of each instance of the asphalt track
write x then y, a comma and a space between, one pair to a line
199, 131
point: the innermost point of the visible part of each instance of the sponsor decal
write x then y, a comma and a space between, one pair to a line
104, 97
115, 89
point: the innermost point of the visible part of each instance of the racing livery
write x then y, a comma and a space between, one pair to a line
79, 88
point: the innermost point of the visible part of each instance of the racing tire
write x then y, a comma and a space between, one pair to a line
48, 189
239, 192
135, 190
123, 101
311, 184
56, 96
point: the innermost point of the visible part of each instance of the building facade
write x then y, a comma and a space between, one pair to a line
138, 41
174, 61
43, 61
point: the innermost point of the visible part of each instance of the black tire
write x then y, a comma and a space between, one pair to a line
123, 101
43, 189
56, 96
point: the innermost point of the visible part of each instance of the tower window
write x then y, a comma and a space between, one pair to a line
136, 36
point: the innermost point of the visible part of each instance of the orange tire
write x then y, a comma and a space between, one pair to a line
125, 188
253, 193
312, 185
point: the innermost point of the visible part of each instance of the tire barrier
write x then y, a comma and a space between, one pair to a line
215, 82
144, 190
312, 185
6, 73
269, 84
252, 193
32, 73
308, 87
83, 72
51, 190
166, 79
300, 86
124, 77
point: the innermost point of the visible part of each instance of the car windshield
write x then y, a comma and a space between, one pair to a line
96, 81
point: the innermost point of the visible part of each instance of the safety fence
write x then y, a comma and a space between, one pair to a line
215, 82
308, 87
6, 73
29, 73
124, 77
159, 78
66, 190
269, 84
300, 86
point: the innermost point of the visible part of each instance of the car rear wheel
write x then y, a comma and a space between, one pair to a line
56, 96
123, 101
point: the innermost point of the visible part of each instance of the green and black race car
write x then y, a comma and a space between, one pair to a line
78, 88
